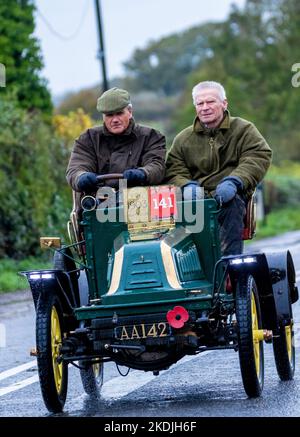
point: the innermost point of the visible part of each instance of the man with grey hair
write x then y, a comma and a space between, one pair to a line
205, 85
225, 155
119, 146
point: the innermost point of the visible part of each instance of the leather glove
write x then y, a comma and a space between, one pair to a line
227, 189
135, 176
87, 181
192, 191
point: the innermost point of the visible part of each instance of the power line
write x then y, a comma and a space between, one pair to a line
57, 34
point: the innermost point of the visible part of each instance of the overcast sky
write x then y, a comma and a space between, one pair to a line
69, 40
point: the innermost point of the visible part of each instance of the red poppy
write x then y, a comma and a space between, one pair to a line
177, 317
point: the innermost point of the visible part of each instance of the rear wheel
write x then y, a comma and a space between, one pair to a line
49, 331
284, 352
63, 260
92, 378
59, 261
250, 335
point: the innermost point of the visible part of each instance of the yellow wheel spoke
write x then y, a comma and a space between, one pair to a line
257, 334
55, 344
288, 336
96, 370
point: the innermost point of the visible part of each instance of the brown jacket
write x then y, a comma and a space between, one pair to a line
99, 151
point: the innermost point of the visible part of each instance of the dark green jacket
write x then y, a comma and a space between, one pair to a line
236, 148
99, 151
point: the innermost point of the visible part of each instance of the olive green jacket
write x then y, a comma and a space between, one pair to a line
205, 155
99, 151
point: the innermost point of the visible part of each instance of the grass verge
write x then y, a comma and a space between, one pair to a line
10, 280
278, 222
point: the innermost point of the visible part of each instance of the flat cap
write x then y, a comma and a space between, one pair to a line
113, 100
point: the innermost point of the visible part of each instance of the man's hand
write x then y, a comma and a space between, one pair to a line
227, 189
135, 176
192, 191
87, 181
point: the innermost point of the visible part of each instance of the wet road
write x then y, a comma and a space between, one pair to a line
208, 384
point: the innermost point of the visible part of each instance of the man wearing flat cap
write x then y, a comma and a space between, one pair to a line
118, 146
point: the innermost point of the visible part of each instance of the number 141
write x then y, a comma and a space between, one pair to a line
163, 203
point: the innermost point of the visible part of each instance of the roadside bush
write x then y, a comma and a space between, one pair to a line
31, 175
70, 126
278, 222
282, 186
10, 280
34, 198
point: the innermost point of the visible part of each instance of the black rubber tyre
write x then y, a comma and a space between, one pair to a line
49, 333
284, 352
251, 352
65, 263
59, 261
92, 378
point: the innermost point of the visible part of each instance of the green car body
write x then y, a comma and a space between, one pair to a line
144, 290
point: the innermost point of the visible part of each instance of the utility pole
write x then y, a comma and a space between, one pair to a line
101, 53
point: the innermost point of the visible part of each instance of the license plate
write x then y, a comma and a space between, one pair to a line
138, 332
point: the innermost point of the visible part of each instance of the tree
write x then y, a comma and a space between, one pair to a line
164, 64
20, 53
252, 57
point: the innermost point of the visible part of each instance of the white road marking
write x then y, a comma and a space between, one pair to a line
119, 387
18, 369
115, 388
18, 385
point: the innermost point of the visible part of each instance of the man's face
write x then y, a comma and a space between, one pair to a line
210, 107
118, 122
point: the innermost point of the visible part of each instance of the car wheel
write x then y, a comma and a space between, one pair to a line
92, 378
250, 335
53, 375
284, 352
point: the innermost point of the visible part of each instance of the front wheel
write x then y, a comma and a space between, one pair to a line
53, 375
250, 335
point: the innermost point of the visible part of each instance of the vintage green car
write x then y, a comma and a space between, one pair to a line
143, 283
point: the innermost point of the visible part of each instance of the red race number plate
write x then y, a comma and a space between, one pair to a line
162, 201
